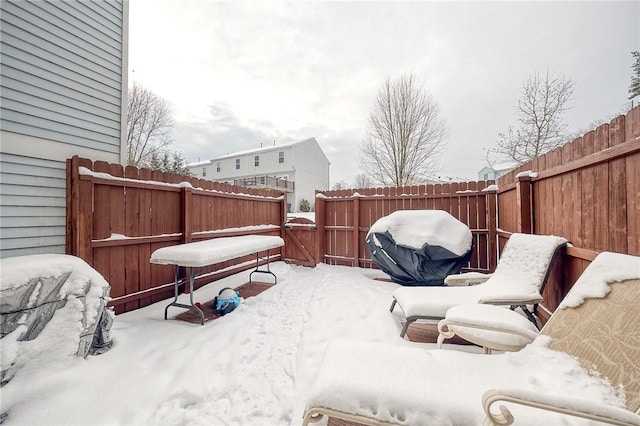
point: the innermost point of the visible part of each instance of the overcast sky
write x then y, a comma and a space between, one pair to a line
238, 74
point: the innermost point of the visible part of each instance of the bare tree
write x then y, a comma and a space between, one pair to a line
339, 186
634, 87
540, 114
405, 135
149, 125
363, 181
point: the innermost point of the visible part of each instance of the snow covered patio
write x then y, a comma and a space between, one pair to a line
254, 366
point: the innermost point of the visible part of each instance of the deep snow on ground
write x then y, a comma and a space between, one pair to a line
252, 366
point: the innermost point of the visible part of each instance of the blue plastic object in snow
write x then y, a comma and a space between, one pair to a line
227, 300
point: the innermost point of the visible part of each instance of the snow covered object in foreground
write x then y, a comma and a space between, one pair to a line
583, 365
52, 306
419, 247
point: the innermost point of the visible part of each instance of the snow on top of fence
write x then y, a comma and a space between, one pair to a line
493, 187
237, 229
102, 175
527, 173
250, 228
114, 236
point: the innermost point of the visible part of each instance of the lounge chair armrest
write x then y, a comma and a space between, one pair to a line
466, 279
512, 300
576, 407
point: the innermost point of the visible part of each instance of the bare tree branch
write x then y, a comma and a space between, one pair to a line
363, 181
540, 115
634, 87
149, 125
405, 135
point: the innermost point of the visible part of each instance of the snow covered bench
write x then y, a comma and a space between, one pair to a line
209, 252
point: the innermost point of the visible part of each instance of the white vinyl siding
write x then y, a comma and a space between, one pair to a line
32, 206
303, 163
63, 85
62, 71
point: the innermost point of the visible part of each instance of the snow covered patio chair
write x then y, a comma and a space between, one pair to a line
583, 365
517, 282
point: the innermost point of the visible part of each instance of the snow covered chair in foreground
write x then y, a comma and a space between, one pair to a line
517, 282
583, 365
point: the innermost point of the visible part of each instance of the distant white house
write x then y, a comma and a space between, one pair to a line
63, 92
299, 168
493, 173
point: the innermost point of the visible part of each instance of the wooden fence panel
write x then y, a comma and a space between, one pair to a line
132, 212
586, 191
345, 219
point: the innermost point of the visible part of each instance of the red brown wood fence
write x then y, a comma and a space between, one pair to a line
587, 191
344, 217
116, 217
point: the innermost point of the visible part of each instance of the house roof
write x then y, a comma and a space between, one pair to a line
262, 149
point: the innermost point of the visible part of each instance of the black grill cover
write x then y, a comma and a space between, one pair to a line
424, 266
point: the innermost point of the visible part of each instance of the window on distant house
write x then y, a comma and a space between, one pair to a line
218, 167
256, 160
486, 176
204, 171
281, 157
237, 164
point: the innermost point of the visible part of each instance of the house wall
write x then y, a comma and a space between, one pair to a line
268, 164
63, 85
312, 172
305, 164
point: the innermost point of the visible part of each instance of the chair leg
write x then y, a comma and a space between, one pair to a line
529, 315
405, 327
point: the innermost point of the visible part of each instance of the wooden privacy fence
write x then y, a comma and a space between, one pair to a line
587, 191
116, 217
344, 217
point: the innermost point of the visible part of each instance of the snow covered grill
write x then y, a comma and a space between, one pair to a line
419, 247
209, 252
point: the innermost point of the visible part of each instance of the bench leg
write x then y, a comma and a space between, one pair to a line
191, 306
263, 271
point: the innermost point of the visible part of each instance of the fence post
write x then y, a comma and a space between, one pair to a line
186, 211
524, 204
80, 220
72, 205
492, 201
283, 222
320, 222
356, 230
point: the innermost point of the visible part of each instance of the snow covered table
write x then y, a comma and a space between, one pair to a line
209, 252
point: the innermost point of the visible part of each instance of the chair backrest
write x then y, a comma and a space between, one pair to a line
604, 332
526, 261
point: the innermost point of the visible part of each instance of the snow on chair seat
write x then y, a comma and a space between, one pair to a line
583, 365
517, 282
492, 327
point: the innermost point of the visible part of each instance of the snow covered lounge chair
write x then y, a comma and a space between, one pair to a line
583, 365
517, 282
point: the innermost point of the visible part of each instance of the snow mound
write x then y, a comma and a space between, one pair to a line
52, 306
